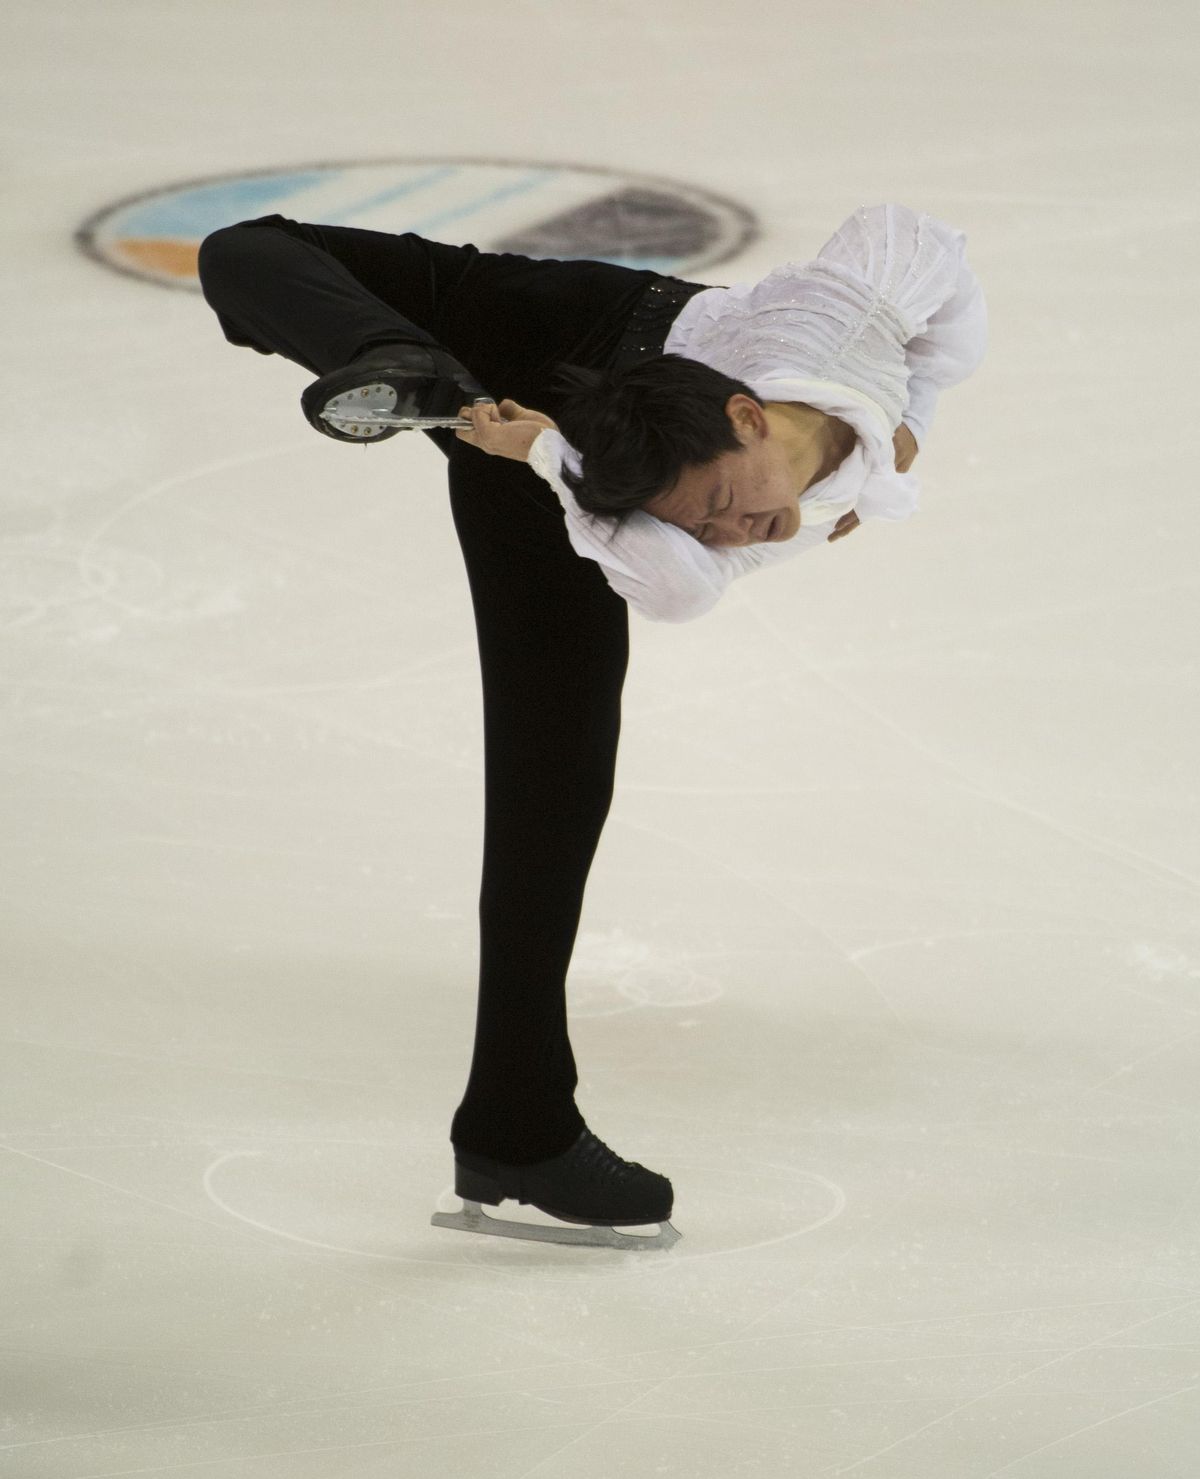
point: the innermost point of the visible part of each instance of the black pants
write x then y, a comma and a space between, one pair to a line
553, 635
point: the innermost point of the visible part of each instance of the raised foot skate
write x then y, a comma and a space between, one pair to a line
401, 387
588, 1185
368, 412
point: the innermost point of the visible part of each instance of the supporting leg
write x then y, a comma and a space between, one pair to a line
554, 648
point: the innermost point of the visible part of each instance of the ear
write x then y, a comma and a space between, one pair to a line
747, 416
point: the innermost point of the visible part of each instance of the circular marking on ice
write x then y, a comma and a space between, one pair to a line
612, 972
534, 208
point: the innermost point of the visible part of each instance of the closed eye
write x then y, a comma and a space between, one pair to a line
724, 510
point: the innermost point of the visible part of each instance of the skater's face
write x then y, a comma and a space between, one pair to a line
752, 496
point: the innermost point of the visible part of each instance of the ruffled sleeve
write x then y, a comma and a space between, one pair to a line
918, 265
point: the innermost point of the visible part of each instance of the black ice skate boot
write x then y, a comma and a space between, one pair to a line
403, 379
588, 1185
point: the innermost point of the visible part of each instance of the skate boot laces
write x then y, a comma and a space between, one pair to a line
597, 1160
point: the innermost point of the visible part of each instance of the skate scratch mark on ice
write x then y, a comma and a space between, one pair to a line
88, 565
963, 1118
1185, 1204
323, 555
837, 1205
717, 864
1048, 1022
1089, 1427
326, 1271
1024, 1376
289, 1237
1100, 1341
291, 1454
1015, 931
347, 1399
194, 1217
138, 1196
935, 644
893, 1327
1165, 1047
868, 1231
1115, 851
110, 1186
363, 685
540, 1347
173, 1061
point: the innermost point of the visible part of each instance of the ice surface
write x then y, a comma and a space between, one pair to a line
891, 954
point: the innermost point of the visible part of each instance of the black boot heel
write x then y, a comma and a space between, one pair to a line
476, 1186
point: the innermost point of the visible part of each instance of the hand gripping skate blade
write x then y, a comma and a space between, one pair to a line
474, 1219
373, 422
366, 410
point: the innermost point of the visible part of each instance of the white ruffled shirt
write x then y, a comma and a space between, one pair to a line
886, 316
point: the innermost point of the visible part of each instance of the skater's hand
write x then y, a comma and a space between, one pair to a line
504, 430
906, 448
845, 525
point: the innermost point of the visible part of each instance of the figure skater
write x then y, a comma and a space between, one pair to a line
657, 439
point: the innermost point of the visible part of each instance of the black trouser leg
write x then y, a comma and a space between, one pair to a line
553, 648
279, 294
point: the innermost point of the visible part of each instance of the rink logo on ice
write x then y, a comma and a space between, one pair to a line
568, 211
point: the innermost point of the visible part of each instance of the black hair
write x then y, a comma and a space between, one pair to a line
636, 430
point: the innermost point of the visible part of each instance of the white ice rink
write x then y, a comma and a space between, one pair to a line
891, 950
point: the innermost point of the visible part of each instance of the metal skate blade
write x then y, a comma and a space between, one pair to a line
364, 422
474, 1219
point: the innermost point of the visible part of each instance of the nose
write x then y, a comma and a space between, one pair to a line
752, 529
740, 529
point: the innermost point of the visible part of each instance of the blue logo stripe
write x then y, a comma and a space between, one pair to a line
519, 187
193, 215
433, 177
